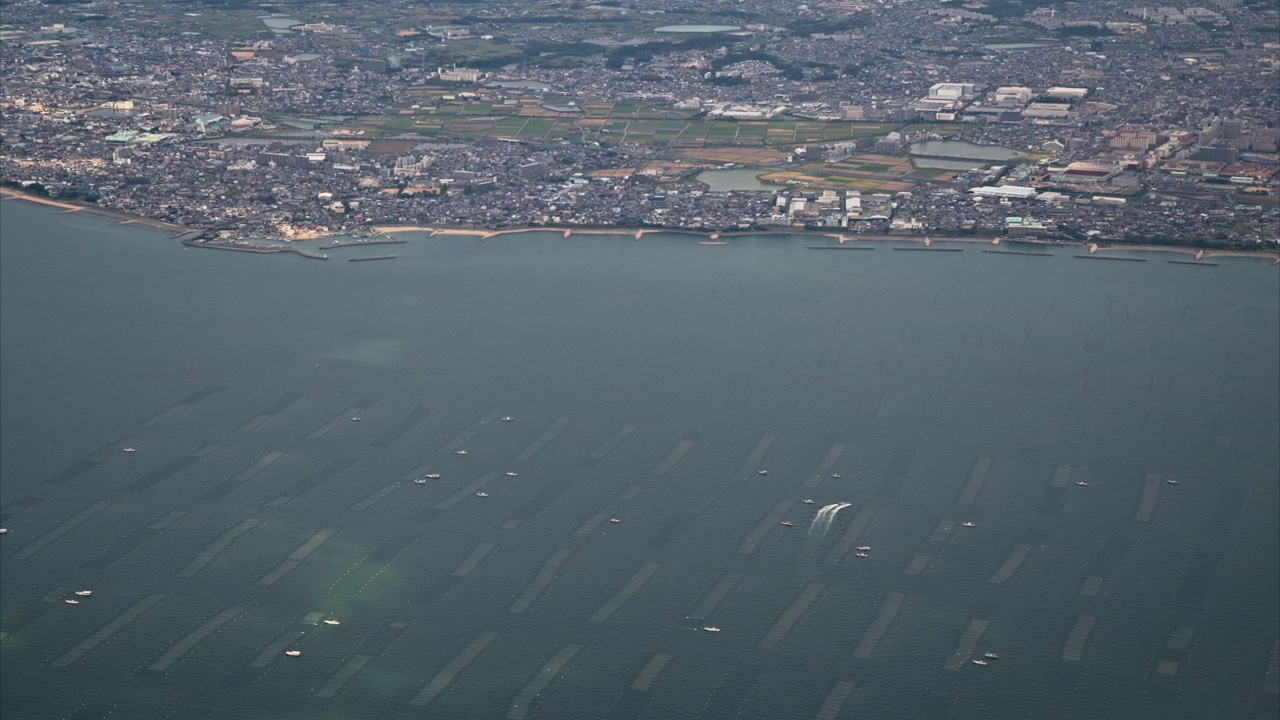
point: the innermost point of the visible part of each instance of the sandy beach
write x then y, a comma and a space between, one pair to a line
11, 194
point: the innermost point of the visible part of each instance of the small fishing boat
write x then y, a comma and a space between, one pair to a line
966, 523
293, 653
511, 474
787, 523
84, 593
482, 494
762, 472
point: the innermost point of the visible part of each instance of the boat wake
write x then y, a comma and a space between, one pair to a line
822, 521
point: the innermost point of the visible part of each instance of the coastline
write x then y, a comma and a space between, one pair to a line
842, 238
124, 217
711, 238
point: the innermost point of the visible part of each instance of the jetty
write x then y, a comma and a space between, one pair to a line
374, 257
1018, 252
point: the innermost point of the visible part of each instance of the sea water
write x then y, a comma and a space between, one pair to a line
1046, 400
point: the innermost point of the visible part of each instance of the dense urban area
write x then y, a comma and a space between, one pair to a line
1105, 120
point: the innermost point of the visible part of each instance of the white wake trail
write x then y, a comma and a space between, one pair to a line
822, 521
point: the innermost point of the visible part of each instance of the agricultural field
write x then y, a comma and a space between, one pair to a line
624, 123
885, 173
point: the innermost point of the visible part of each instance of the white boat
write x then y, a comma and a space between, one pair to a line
762, 472
356, 419
864, 548
966, 523
129, 449
614, 520
433, 476
990, 656
4, 531
861, 554
1081, 483
507, 418
1171, 481
461, 452
84, 593
331, 621
482, 494
293, 653
71, 601
835, 475
420, 481
808, 501
711, 629
511, 474
787, 523
979, 662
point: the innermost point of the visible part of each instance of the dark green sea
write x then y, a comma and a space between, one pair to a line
648, 382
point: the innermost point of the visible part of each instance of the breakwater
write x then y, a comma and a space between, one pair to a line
201, 241
375, 257
363, 241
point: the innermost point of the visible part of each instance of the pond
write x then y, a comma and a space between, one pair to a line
963, 150
736, 179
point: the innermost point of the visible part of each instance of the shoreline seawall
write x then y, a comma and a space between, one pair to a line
637, 233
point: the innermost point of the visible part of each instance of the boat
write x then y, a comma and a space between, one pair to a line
420, 481
482, 494
433, 476
808, 501
864, 548
72, 601
787, 523
861, 554
4, 531
711, 629
356, 419
84, 593
762, 472
1081, 483
129, 449
293, 653
331, 621
979, 662
461, 452
614, 520
1171, 481
835, 476
507, 418
511, 474
990, 656
966, 523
